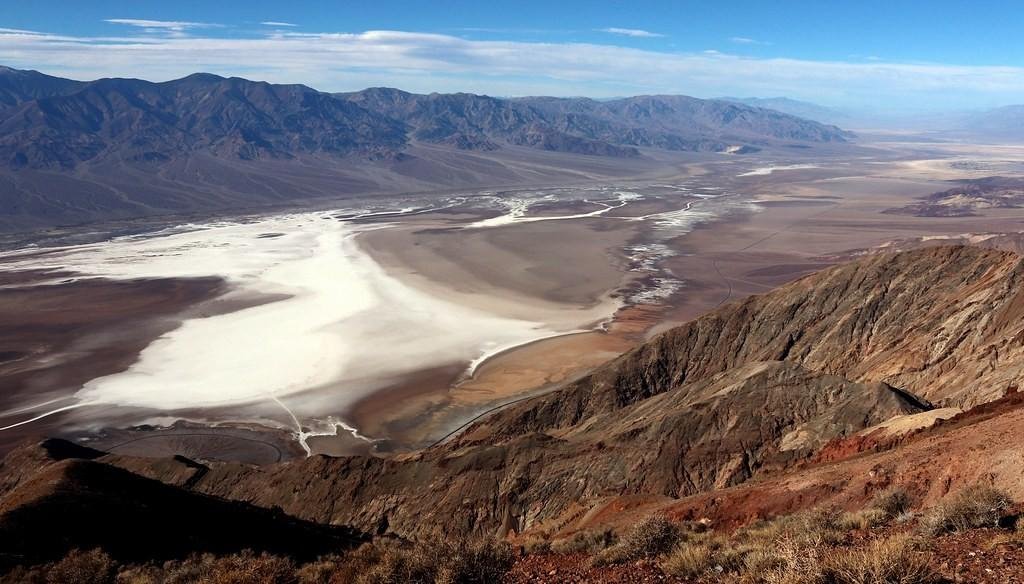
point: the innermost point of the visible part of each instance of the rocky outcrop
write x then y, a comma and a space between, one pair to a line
942, 323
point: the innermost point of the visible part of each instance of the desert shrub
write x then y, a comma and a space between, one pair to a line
609, 556
249, 568
761, 560
651, 537
465, 563
863, 519
194, 568
400, 566
147, 574
977, 506
536, 544
326, 570
78, 567
689, 560
23, 575
590, 541
789, 562
905, 517
482, 562
809, 528
894, 560
893, 502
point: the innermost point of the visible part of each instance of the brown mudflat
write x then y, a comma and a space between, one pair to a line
57, 336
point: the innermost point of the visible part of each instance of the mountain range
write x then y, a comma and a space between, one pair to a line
73, 151
48, 121
1002, 122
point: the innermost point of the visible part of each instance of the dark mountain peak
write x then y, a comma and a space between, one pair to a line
197, 78
18, 86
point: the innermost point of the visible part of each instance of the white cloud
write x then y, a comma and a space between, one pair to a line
19, 31
747, 41
170, 27
436, 62
631, 32
277, 23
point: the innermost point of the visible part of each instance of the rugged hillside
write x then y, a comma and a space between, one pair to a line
779, 394
744, 392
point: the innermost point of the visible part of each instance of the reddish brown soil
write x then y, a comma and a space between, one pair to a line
551, 569
982, 556
979, 445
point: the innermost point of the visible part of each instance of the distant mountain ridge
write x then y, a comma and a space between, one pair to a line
795, 107
79, 151
47, 121
1005, 122
582, 125
144, 121
17, 87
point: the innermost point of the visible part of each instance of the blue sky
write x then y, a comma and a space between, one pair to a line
867, 54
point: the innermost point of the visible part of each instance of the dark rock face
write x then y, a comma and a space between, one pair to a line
748, 390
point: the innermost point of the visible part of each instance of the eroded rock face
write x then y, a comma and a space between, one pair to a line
709, 434
942, 323
744, 392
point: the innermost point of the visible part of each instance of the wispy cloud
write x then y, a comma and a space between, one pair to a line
437, 62
631, 32
19, 31
747, 41
170, 27
277, 23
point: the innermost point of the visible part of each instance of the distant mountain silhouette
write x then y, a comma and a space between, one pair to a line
74, 152
795, 107
587, 126
1003, 122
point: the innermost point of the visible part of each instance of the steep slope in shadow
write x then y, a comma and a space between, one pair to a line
64, 502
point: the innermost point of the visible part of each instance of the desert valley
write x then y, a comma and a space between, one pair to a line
265, 332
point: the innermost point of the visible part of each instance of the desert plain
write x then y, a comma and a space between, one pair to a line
385, 324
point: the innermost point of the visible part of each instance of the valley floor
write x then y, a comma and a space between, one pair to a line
612, 263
